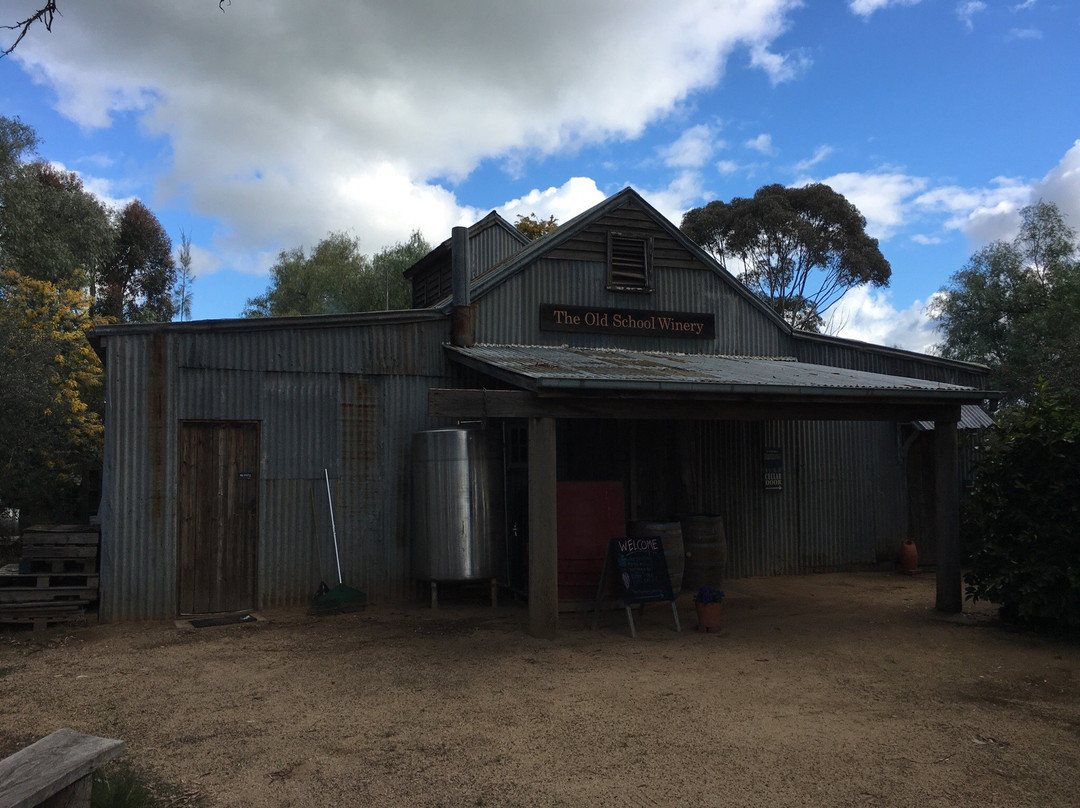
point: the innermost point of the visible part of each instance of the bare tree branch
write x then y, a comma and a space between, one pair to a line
44, 15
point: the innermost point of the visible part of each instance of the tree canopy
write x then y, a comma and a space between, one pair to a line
798, 249
16, 140
136, 284
1015, 306
51, 392
66, 262
336, 277
51, 228
533, 227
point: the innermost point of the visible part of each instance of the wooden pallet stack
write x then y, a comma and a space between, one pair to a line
57, 581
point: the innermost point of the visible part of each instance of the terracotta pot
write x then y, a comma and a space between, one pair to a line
708, 615
909, 556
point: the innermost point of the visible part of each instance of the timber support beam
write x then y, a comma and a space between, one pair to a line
451, 403
950, 595
543, 538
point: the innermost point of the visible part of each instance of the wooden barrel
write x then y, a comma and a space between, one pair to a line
706, 550
670, 534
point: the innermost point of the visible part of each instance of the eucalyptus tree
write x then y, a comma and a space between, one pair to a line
799, 249
137, 282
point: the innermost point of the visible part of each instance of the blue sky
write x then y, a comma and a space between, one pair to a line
269, 124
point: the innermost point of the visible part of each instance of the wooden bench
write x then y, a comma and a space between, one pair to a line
56, 772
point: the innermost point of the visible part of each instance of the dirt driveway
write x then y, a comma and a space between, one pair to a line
828, 690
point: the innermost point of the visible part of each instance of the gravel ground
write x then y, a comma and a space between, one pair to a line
825, 690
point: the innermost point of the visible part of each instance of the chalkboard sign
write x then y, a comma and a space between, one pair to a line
639, 564
641, 568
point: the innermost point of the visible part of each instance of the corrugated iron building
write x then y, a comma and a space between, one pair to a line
326, 393
241, 421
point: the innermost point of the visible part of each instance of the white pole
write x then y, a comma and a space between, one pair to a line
333, 526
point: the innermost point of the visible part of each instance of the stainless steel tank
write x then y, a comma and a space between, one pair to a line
456, 504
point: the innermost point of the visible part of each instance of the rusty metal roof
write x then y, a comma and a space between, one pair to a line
562, 368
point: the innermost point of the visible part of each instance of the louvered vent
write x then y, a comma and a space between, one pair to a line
431, 287
629, 263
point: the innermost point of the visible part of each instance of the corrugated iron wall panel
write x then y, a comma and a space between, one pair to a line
293, 540
721, 457
379, 417
878, 359
310, 419
490, 247
510, 313
385, 348
299, 424
138, 547
830, 512
853, 507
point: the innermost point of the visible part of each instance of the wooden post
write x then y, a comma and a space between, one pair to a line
543, 537
950, 595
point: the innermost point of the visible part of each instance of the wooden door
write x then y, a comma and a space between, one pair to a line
218, 515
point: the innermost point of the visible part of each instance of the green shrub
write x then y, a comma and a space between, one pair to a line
1025, 555
122, 785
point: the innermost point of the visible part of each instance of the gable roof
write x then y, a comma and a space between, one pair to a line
494, 276
442, 252
808, 345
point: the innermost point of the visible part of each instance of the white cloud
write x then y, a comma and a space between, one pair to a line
993, 213
982, 214
576, 195
1025, 5
864, 8
821, 153
762, 143
780, 67
727, 166
1061, 185
203, 261
692, 150
869, 315
1025, 33
892, 201
679, 195
967, 10
882, 197
284, 124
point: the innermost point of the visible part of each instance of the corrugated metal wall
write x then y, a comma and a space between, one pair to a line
138, 541
842, 501
492, 246
510, 312
345, 398
879, 359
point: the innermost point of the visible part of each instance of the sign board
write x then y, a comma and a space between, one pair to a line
630, 322
641, 568
774, 470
